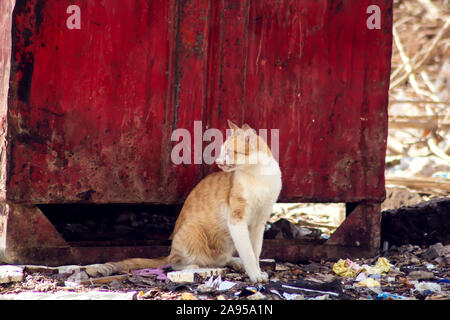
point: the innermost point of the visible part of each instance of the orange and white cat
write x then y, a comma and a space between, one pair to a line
226, 212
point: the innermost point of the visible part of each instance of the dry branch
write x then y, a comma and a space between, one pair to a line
416, 67
420, 183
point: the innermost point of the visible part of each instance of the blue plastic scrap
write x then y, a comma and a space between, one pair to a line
443, 281
387, 295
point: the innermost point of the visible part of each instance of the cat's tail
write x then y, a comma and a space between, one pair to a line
109, 268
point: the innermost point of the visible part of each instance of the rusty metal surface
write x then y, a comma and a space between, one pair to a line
91, 111
25, 228
6, 9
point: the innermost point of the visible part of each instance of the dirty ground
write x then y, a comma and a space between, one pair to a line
409, 272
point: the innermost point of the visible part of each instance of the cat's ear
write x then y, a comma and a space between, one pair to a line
232, 125
249, 133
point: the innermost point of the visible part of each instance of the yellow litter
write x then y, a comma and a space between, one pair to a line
382, 266
369, 283
346, 268
188, 296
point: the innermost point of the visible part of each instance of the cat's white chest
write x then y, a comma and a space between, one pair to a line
260, 193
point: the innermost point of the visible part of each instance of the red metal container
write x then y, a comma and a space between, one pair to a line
91, 111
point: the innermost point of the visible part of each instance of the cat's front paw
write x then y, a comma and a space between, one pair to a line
259, 277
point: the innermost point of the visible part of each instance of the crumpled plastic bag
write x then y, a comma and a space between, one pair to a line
427, 286
216, 285
382, 266
346, 268
159, 272
391, 296
369, 283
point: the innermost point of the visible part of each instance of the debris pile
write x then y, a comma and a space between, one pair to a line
402, 272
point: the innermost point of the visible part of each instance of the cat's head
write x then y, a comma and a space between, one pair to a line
242, 149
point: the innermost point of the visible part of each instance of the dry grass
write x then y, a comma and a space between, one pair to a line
419, 108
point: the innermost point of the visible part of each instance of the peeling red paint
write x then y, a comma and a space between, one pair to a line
91, 111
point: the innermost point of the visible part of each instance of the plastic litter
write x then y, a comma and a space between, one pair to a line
160, 274
216, 284
346, 268
390, 279
430, 266
441, 174
71, 284
293, 296
248, 291
382, 266
443, 281
390, 296
193, 275
361, 277
308, 290
256, 296
187, 296
427, 287
322, 297
10, 273
277, 293
368, 282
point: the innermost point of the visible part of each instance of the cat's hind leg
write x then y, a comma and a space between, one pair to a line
236, 264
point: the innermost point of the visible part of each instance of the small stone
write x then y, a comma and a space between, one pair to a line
234, 276
447, 249
434, 251
312, 267
116, 284
441, 261
421, 275
10, 274
414, 260
280, 267
78, 276
447, 258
